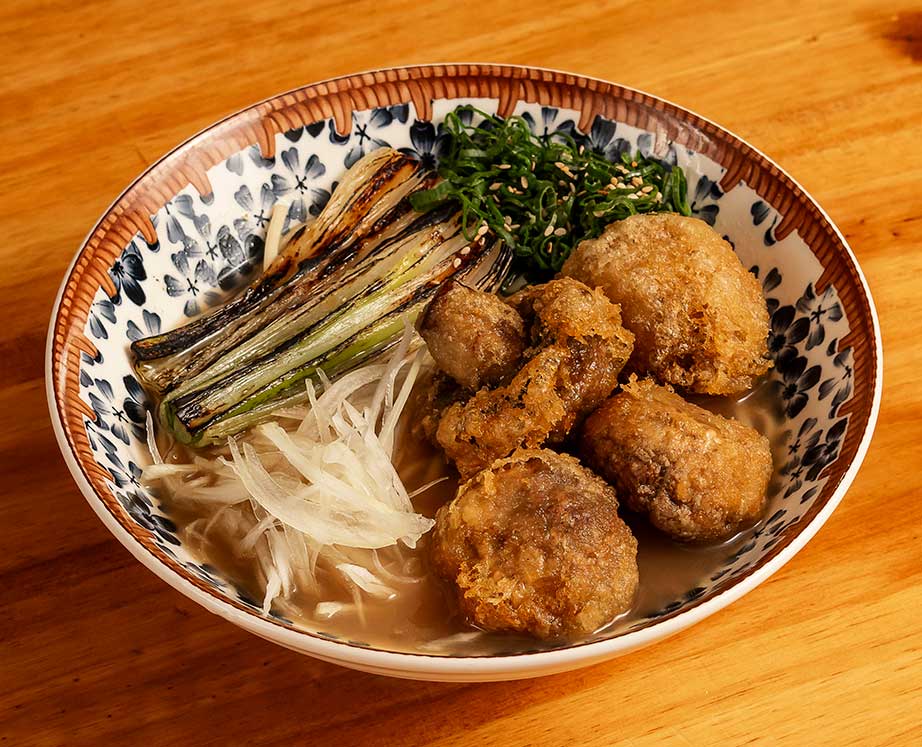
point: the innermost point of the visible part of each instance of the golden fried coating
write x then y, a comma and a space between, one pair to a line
579, 348
473, 336
534, 545
434, 392
699, 318
699, 476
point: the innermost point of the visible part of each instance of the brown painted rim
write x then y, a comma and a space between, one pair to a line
130, 214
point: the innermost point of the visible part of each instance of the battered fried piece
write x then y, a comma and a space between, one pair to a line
698, 476
434, 393
534, 544
698, 316
579, 348
473, 336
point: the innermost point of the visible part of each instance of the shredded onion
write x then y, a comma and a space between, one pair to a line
323, 497
274, 232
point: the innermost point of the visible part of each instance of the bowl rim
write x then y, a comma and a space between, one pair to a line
394, 662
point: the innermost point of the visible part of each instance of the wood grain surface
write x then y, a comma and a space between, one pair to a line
97, 651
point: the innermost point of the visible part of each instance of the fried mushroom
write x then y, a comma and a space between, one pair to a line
473, 336
698, 476
578, 349
534, 545
698, 317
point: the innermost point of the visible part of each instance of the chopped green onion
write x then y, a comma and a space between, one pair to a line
543, 195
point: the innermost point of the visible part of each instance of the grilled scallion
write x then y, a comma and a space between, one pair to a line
337, 294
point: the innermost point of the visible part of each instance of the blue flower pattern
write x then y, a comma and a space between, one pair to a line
204, 251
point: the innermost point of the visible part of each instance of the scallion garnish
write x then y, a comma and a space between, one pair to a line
542, 196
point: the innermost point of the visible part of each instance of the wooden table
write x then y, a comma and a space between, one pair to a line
98, 651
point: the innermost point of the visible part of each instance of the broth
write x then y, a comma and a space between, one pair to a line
424, 618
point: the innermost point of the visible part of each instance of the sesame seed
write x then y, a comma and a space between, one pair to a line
482, 230
465, 251
621, 168
646, 190
456, 262
622, 185
598, 213
549, 248
549, 230
565, 169
495, 185
633, 196
504, 166
637, 181
560, 232
524, 183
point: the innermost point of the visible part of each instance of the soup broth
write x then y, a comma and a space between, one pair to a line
423, 617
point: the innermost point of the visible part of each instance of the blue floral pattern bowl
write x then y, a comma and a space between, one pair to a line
190, 231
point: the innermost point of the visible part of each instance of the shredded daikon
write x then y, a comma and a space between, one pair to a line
328, 609
323, 497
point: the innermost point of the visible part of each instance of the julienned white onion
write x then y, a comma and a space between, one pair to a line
322, 498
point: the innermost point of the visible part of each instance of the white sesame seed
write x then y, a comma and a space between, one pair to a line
524, 182
636, 181
465, 251
495, 185
504, 166
549, 230
633, 196
560, 231
456, 262
646, 190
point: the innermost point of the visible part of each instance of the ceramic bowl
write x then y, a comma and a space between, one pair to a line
188, 231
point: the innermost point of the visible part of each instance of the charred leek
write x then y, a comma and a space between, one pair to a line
334, 296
